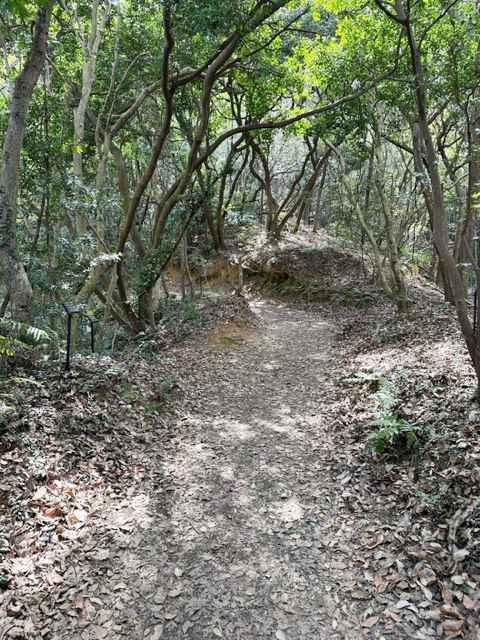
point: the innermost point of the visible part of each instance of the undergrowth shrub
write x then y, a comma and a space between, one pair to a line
393, 431
23, 334
19, 343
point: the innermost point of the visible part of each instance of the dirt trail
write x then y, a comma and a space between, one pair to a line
241, 527
257, 545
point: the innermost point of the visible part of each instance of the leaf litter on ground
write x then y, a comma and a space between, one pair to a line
88, 470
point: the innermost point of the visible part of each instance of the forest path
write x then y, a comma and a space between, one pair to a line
247, 516
247, 509
258, 542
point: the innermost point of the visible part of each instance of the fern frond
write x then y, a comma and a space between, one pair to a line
10, 346
25, 333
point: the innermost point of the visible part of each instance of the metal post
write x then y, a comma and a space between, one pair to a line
92, 334
71, 308
69, 332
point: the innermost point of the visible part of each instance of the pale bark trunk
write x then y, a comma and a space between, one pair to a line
400, 290
207, 211
186, 275
18, 283
301, 201
318, 212
424, 181
266, 182
90, 52
220, 213
440, 230
361, 219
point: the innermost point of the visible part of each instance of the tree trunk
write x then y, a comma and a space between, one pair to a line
400, 289
19, 285
317, 220
440, 231
207, 210
304, 196
418, 158
222, 204
363, 223
266, 183
186, 275
90, 51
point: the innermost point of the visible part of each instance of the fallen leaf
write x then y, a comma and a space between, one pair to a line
157, 633
80, 515
452, 626
378, 580
29, 626
450, 611
330, 606
394, 615
218, 632
40, 493
170, 615
468, 603
460, 554
370, 622
101, 554
378, 540
401, 604
160, 596
50, 512
280, 635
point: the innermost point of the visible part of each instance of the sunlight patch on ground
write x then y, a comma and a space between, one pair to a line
384, 360
229, 429
290, 510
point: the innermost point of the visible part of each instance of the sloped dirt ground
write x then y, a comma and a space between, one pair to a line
221, 489
311, 266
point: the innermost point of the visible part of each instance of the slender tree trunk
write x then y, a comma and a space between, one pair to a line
5, 304
425, 185
465, 229
137, 322
361, 219
400, 290
19, 285
318, 213
186, 275
440, 230
266, 183
223, 204
207, 211
90, 52
301, 201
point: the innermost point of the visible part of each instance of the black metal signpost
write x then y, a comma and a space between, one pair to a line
71, 309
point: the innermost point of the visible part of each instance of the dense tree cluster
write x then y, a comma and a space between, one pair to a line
133, 130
